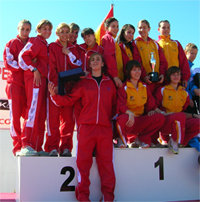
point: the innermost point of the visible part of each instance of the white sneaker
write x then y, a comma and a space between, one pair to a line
66, 152
133, 145
18, 153
173, 146
53, 152
28, 151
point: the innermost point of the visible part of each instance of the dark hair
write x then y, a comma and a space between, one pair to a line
171, 70
87, 31
129, 66
109, 21
121, 38
162, 22
73, 26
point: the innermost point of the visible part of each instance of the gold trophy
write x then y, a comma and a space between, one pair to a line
154, 77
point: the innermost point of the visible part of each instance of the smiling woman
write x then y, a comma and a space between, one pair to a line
98, 96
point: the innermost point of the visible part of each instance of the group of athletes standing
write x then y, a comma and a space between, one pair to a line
116, 91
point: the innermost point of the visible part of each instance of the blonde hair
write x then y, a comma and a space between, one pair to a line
22, 22
144, 21
60, 26
44, 23
190, 46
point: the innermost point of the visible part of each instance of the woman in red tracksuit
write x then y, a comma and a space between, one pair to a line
88, 48
60, 120
15, 89
136, 108
33, 58
98, 96
128, 48
112, 53
173, 98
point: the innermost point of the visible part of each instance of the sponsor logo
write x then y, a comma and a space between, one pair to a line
4, 122
4, 105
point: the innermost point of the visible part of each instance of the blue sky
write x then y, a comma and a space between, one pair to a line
183, 15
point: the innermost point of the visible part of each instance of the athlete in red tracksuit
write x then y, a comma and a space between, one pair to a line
98, 96
133, 103
128, 48
112, 53
15, 89
34, 60
86, 52
60, 120
174, 98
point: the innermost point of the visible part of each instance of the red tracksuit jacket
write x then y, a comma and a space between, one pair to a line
98, 101
109, 55
85, 54
10, 57
36, 47
59, 62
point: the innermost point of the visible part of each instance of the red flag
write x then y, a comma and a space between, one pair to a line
101, 29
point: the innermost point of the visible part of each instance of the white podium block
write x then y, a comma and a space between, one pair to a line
141, 175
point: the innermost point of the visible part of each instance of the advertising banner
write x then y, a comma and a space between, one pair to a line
4, 107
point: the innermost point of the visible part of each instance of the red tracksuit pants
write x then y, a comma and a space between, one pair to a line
153, 87
192, 128
174, 125
100, 139
60, 127
34, 125
145, 126
17, 104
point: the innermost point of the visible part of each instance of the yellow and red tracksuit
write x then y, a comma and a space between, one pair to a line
95, 132
128, 55
139, 101
145, 49
170, 100
175, 55
60, 120
15, 89
34, 126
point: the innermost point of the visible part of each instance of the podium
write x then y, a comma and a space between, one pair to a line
152, 174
